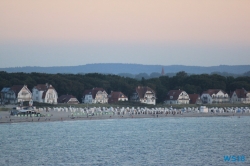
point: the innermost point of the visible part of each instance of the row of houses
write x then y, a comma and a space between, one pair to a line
211, 96
45, 93
42, 93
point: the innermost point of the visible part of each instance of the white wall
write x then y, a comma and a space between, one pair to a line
51, 96
24, 95
88, 99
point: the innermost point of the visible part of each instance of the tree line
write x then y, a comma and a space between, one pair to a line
75, 84
156, 75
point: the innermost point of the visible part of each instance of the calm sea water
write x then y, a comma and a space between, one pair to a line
156, 141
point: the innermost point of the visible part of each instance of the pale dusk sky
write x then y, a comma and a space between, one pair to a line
163, 32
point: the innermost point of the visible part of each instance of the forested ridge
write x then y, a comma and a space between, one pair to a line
131, 69
75, 84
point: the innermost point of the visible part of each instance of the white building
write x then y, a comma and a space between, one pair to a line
177, 97
203, 109
144, 95
95, 95
240, 96
16, 94
214, 96
44, 93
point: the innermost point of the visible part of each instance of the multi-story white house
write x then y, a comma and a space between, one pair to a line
144, 95
95, 95
177, 97
240, 96
117, 96
214, 96
44, 93
16, 94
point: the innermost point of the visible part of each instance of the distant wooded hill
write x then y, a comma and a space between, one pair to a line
131, 70
75, 84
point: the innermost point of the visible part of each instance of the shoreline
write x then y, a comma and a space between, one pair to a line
7, 119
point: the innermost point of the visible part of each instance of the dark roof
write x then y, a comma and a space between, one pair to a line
213, 91
41, 87
45, 91
241, 93
5, 89
114, 96
141, 90
93, 92
174, 93
16, 88
193, 98
65, 98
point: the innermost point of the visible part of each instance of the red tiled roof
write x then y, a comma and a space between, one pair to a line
174, 93
142, 90
92, 91
193, 98
114, 96
65, 98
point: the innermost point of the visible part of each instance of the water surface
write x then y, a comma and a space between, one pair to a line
154, 141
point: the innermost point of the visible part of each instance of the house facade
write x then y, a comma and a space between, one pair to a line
16, 94
68, 99
144, 95
7, 95
44, 93
114, 97
240, 96
195, 99
177, 97
214, 96
95, 95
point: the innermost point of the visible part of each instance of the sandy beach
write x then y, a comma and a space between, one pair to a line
51, 116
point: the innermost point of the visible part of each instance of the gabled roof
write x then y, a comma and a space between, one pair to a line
46, 90
193, 98
114, 96
5, 89
65, 98
17, 88
93, 92
174, 93
41, 87
241, 93
141, 91
213, 91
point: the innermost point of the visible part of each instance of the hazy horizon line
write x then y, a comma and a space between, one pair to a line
127, 64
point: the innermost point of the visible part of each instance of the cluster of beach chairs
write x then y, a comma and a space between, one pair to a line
145, 110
